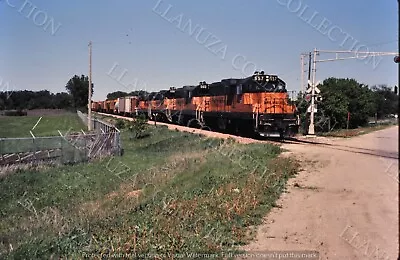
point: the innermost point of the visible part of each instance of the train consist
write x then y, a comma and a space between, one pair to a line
258, 104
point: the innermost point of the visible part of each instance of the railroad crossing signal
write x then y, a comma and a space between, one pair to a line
397, 59
316, 89
309, 109
318, 98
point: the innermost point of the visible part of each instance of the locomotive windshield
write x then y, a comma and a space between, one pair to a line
275, 86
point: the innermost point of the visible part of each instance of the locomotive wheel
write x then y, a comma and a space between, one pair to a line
194, 123
204, 127
221, 123
281, 135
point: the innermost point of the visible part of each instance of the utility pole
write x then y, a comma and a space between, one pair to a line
302, 72
398, 80
90, 89
311, 126
309, 66
303, 62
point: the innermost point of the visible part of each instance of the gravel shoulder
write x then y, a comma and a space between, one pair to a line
344, 202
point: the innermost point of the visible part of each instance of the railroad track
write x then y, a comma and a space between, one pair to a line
214, 134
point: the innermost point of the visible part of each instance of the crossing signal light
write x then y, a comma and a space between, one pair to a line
397, 59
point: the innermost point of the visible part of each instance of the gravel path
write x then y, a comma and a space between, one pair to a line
344, 204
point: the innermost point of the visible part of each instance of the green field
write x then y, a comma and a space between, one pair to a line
19, 126
169, 193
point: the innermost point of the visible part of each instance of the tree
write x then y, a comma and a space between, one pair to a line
139, 93
341, 96
138, 127
386, 101
77, 87
2, 104
62, 100
116, 94
25, 99
302, 105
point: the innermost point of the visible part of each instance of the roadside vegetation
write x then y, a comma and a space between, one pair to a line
360, 130
169, 193
347, 103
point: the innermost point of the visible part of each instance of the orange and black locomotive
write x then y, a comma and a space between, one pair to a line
258, 104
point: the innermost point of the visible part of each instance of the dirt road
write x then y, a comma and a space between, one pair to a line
344, 204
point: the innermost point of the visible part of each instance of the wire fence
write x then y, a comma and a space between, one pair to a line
104, 140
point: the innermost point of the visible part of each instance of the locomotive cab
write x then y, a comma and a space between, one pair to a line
275, 115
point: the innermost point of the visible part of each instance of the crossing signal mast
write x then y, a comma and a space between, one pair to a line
339, 55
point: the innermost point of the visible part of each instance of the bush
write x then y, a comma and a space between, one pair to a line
15, 113
138, 127
120, 124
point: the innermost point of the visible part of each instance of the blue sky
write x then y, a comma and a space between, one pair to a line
44, 43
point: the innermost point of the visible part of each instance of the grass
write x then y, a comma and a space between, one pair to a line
171, 193
48, 125
358, 131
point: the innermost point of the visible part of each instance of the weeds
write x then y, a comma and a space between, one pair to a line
172, 193
296, 185
120, 124
138, 127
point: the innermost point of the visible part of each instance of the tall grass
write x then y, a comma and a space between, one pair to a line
171, 193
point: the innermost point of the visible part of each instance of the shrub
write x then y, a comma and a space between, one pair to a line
138, 127
15, 113
120, 124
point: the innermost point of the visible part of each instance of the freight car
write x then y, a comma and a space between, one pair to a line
258, 104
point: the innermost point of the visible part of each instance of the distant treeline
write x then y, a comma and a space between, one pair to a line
43, 99
118, 94
76, 97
